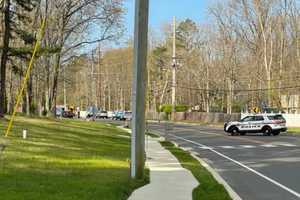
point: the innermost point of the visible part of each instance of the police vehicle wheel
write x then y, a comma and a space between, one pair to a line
267, 131
234, 131
275, 133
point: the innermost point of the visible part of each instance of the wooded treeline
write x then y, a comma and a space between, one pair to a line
246, 55
71, 25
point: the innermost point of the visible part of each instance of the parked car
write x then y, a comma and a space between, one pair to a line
120, 115
102, 115
128, 115
268, 124
68, 114
110, 114
59, 112
91, 112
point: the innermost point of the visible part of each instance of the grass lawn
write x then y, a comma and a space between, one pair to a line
209, 188
65, 160
294, 130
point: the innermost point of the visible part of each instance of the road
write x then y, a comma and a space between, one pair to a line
257, 167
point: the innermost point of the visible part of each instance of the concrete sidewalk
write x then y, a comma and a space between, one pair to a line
168, 179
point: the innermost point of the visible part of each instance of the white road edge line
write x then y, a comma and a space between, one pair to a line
214, 173
246, 167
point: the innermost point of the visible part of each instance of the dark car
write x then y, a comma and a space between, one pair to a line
68, 114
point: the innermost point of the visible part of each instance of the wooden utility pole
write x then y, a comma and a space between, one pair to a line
174, 71
139, 89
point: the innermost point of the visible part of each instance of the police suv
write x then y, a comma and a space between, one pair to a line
268, 124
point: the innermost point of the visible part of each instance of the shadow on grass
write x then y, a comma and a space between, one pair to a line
209, 188
65, 160
87, 184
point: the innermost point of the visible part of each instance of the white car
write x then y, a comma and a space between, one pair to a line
268, 124
110, 114
102, 115
128, 115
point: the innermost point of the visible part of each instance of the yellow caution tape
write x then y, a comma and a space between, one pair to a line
27, 75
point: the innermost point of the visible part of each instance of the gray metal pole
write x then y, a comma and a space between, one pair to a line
174, 71
139, 89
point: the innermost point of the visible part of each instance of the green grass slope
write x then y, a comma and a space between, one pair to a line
66, 160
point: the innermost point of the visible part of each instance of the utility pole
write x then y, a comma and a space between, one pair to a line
99, 78
174, 71
65, 89
93, 84
139, 89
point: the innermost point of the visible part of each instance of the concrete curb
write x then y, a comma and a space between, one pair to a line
290, 134
192, 124
218, 177
214, 173
124, 129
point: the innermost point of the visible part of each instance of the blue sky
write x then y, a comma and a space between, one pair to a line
162, 11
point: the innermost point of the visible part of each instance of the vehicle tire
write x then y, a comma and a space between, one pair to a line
267, 131
234, 131
276, 133
225, 125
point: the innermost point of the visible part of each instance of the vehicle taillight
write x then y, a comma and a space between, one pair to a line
278, 121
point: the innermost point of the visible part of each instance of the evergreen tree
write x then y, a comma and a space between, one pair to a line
15, 17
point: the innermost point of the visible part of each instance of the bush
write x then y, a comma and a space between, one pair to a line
167, 108
237, 106
182, 108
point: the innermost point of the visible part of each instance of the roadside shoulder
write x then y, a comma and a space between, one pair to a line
212, 185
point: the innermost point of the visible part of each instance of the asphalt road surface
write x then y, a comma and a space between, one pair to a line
257, 167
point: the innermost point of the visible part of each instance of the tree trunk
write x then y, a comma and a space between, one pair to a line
4, 57
207, 90
47, 89
229, 97
55, 83
10, 100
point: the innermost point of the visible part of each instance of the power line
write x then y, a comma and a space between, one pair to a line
240, 90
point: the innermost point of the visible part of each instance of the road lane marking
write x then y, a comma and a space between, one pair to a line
241, 138
287, 145
244, 138
187, 148
251, 146
269, 145
220, 134
246, 167
205, 148
248, 146
227, 147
